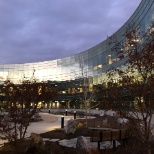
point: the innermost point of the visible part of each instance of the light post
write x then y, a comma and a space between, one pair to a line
66, 112
74, 114
62, 121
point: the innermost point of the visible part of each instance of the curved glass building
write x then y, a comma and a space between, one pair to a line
70, 72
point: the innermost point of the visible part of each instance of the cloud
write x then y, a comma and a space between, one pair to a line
36, 30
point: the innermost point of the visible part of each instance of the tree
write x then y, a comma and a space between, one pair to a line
22, 101
88, 94
130, 88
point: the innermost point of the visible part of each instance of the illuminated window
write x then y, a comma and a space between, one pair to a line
115, 59
95, 68
109, 60
100, 66
57, 104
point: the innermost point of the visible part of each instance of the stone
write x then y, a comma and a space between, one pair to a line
37, 140
102, 114
80, 125
70, 127
122, 120
83, 145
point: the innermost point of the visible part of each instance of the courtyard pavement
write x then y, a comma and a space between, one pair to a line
52, 122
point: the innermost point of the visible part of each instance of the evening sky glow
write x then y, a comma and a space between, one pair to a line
40, 30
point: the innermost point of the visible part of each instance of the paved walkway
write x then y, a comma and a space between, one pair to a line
47, 124
50, 122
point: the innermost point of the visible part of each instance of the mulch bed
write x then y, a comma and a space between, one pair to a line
133, 147
59, 134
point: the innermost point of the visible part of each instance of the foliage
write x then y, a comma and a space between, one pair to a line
130, 88
22, 101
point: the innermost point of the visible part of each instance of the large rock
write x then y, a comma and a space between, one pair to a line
70, 127
37, 140
122, 120
80, 125
83, 145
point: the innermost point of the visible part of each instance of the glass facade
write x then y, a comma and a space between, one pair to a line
90, 64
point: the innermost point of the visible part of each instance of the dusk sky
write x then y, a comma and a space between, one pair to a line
40, 30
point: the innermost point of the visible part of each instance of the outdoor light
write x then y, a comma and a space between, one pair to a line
74, 114
62, 121
66, 112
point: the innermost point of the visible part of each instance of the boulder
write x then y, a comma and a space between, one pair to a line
102, 114
37, 140
122, 120
83, 145
70, 127
80, 125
